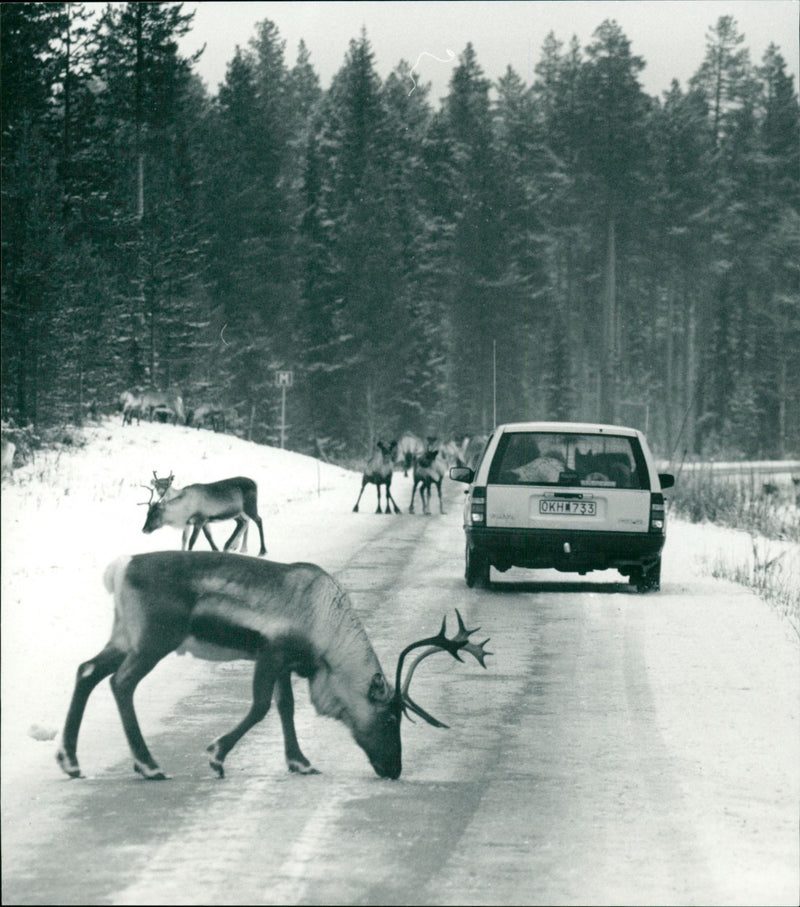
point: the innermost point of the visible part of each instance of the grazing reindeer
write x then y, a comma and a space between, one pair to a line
131, 402
207, 414
153, 401
409, 449
428, 470
194, 506
284, 617
379, 472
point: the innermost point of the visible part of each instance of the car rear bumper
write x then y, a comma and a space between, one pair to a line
568, 550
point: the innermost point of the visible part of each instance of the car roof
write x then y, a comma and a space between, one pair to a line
586, 428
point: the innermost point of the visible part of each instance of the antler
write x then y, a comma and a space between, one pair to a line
152, 492
440, 642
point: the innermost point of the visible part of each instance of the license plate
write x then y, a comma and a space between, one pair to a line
568, 508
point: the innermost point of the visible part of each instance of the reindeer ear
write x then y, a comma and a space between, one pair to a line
379, 690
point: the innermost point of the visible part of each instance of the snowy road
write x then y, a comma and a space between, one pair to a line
618, 749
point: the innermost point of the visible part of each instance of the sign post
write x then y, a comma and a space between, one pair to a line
283, 379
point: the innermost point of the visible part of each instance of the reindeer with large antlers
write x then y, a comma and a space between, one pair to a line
287, 618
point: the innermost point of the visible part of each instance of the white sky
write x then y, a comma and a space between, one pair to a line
669, 34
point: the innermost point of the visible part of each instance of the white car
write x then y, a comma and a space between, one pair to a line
566, 495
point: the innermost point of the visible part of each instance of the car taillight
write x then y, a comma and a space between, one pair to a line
658, 512
477, 513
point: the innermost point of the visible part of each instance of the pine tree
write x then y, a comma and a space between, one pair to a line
477, 296
150, 201
613, 154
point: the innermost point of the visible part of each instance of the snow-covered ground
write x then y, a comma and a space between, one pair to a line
71, 511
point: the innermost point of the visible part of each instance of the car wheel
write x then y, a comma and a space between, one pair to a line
476, 567
647, 580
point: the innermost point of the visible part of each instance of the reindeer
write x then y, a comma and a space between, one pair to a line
153, 401
193, 507
409, 449
206, 413
428, 470
131, 403
379, 472
284, 617
455, 451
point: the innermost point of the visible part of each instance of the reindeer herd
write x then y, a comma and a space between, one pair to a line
167, 406
427, 464
285, 618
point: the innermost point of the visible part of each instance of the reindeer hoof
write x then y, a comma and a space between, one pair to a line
67, 765
149, 774
302, 768
215, 762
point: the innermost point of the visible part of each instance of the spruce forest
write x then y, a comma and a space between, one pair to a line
561, 248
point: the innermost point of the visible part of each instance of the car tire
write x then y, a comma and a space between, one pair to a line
476, 567
647, 580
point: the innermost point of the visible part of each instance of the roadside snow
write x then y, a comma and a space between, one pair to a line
69, 513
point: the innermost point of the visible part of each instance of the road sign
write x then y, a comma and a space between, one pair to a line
283, 379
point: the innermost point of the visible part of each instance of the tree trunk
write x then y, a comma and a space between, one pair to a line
608, 402
139, 150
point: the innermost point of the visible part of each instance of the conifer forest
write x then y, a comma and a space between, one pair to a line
553, 245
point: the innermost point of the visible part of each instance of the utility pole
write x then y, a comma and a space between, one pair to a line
494, 384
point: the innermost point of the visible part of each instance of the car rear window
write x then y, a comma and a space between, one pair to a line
593, 461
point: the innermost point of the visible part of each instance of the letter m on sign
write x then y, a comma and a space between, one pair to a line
284, 379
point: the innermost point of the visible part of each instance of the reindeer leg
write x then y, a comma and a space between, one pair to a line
363, 486
439, 489
295, 759
207, 534
263, 685
413, 492
241, 525
378, 490
257, 520
389, 496
90, 673
123, 685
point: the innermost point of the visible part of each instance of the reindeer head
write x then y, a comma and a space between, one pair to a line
155, 509
162, 485
155, 517
379, 736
